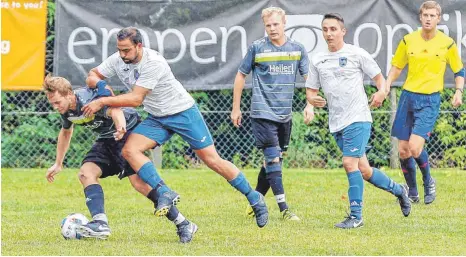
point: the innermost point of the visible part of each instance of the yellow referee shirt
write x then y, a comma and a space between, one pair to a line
426, 61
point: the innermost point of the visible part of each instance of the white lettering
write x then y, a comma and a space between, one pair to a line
193, 44
379, 36
105, 38
5, 47
226, 34
72, 44
161, 38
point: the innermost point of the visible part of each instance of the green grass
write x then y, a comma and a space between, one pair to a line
32, 211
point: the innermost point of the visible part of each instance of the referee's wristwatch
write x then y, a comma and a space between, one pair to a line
460, 89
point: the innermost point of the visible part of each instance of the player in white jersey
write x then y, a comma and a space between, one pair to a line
340, 73
171, 110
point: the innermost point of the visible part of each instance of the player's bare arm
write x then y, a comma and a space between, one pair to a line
457, 99
393, 74
118, 118
240, 80
132, 99
63, 144
314, 99
378, 97
93, 77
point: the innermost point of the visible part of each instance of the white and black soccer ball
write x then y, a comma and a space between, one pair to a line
69, 224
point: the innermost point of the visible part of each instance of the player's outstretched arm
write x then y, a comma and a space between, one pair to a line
235, 116
63, 144
118, 118
131, 99
457, 99
393, 74
93, 77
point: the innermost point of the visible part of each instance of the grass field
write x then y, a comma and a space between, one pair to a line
32, 211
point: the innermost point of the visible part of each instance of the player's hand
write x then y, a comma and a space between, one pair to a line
457, 99
92, 107
52, 171
317, 101
377, 99
118, 135
308, 114
236, 118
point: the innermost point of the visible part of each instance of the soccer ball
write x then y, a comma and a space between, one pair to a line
69, 224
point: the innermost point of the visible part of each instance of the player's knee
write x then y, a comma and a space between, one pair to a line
128, 152
350, 164
366, 170
404, 152
86, 175
272, 159
415, 149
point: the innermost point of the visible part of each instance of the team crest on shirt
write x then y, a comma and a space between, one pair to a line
136, 74
343, 61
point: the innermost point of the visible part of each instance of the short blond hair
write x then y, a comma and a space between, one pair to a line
430, 5
56, 84
271, 10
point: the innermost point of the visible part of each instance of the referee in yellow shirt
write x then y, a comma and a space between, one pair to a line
426, 51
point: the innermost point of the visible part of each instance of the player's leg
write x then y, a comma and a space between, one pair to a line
261, 187
379, 179
185, 228
352, 141
147, 135
92, 168
284, 136
190, 125
401, 129
426, 110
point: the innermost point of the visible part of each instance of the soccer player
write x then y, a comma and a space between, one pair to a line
104, 159
274, 61
171, 110
340, 72
426, 52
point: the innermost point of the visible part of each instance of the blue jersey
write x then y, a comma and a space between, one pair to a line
99, 122
274, 70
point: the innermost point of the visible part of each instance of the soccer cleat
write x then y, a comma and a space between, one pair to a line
94, 229
186, 232
288, 215
414, 198
165, 202
260, 211
405, 202
350, 222
250, 211
429, 191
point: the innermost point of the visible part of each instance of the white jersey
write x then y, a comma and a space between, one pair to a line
341, 76
167, 95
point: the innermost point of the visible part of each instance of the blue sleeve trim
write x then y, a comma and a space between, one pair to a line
461, 73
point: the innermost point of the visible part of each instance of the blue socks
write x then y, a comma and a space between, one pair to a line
242, 185
149, 174
262, 182
408, 166
423, 163
355, 193
382, 181
94, 199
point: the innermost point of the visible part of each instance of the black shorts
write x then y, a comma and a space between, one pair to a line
271, 133
106, 153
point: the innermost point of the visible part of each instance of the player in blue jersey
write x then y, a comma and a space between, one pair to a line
113, 126
275, 61
339, 71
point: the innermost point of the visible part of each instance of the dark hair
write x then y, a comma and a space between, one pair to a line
335, 16
132, 33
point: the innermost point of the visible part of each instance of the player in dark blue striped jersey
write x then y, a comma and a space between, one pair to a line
113, 126
275, 61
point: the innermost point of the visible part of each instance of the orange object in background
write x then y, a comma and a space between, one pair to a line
23, 44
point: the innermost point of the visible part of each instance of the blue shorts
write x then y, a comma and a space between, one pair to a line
189, 124
416, 114
353, 139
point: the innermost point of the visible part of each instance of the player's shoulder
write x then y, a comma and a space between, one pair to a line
356, 50
412, 37
318, 57
295, 44
445, 39
259, 42
153, 57
85, 94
